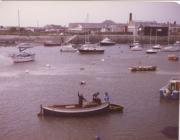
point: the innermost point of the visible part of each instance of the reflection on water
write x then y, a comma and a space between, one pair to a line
54, 79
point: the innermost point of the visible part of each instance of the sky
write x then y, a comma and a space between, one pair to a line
41, 13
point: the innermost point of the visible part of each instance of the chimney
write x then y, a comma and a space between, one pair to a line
130, 17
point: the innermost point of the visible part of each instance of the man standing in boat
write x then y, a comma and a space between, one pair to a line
81, 99
96, 99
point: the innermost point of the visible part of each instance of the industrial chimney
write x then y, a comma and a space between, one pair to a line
130, 17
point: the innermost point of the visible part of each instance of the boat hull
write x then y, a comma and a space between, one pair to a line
107, 44
19, 59
52, 44
47, 111
145, 68
91, 51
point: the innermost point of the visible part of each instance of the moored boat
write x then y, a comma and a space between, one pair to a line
75, 109
51, 44
173, 57
23, 56
143, 68
136, 48
157, 46
136, 43
107, 42
91, 49
67, 48
171, 49
151, 51
171, 90
177, 43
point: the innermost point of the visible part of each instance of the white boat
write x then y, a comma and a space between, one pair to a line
136, 48
23, 56
67, 48
157, 46
107, 42
151, 51
177, 43
91, 49
136, 43
171, 49
171, 90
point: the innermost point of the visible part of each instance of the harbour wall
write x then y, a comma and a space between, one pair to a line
80, 39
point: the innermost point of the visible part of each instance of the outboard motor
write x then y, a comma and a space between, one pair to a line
162, 92
175, 94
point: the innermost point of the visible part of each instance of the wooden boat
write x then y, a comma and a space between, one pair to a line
143, 68
74, 109
173, 57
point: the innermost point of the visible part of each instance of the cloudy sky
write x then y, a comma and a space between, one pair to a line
40, 13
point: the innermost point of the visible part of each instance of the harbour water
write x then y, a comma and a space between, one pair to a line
54, 78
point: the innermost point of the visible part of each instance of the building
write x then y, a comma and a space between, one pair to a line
107, 26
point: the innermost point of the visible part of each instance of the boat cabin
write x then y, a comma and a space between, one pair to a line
174, 85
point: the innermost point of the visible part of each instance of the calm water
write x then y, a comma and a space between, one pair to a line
25, 86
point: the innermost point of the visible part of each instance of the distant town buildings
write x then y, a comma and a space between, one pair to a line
106, 27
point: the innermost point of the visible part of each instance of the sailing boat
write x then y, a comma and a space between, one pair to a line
151, 51
89, 48
170, 48
135, 46
23, 56
135, 42
157, 46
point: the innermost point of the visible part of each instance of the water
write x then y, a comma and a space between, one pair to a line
54, 78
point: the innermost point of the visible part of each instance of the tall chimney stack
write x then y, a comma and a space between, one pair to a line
130, 17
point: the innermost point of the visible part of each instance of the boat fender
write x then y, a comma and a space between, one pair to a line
97, 137
82, 82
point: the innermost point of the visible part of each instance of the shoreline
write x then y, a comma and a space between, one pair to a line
6, 40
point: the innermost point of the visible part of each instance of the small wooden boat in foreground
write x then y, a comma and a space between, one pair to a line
143, 68
76, 110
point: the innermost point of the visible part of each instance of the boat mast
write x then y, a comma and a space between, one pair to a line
150, 36
156, 36
18, 19
87, 35
134, 39
168, 32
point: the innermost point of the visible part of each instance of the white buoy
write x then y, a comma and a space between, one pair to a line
26, 71
102, 60
47, 65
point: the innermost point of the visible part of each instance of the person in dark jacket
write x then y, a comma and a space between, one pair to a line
96, 99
